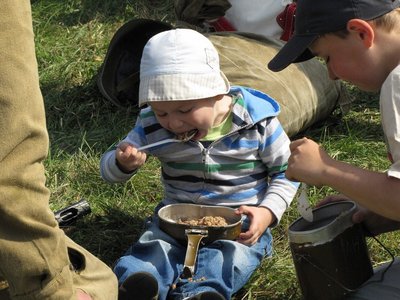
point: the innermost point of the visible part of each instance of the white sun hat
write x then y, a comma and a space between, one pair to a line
180, 64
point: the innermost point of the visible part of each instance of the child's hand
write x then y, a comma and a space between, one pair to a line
261, 218
128, 157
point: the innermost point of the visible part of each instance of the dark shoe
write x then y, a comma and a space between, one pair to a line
207, 296
140, 285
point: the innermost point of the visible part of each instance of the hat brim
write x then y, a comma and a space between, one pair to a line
295, 50
182, 87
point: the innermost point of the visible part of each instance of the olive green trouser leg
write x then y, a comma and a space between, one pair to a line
33, 250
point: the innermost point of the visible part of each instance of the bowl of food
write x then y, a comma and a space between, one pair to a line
220, 222
194, 224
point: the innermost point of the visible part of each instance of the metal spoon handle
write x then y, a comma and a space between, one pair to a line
158, 143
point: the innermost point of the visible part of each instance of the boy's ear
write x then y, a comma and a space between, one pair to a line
363, 30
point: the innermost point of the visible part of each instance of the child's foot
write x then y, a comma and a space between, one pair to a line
207, 296
140, 285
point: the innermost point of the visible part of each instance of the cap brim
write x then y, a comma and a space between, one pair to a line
295, 50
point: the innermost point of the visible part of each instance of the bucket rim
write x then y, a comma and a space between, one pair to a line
336, 218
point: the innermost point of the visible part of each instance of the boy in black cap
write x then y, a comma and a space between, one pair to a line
360, 43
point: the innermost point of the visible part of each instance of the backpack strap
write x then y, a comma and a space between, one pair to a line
286, 20
222, 24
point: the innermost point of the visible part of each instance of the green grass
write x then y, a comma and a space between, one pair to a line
71, 42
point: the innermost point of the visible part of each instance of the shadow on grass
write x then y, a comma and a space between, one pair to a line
106, 235
76, 13
81, 113
81, 12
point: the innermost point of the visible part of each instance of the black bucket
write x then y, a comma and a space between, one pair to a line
330, 254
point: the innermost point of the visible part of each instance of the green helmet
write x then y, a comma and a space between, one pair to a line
118, 78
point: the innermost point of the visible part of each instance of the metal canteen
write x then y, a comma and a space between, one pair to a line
193, 235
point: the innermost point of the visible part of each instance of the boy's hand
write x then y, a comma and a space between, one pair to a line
260, 217
332, 198
129, 158
374, 223
307, 162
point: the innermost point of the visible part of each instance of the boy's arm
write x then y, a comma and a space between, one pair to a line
374, 190
377, 191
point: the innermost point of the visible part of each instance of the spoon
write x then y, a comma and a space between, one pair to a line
303, 205
179, 138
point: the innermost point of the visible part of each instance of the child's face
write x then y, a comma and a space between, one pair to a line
350, 59
183, 116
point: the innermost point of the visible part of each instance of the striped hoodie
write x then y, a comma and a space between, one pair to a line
244, 167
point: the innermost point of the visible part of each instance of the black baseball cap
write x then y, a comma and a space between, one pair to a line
317, 17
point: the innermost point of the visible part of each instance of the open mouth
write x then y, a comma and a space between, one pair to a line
186, 136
